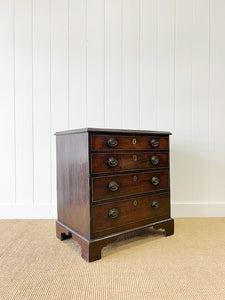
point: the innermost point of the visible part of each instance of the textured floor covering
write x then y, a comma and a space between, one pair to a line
189, 265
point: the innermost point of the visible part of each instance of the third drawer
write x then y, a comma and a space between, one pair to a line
110, 187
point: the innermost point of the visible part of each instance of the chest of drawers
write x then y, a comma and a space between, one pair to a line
110, 183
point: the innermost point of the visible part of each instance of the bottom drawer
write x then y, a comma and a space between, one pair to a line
113, 215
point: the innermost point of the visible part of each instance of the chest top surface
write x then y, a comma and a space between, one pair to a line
112, 131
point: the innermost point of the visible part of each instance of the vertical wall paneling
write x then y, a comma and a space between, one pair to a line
217, 102
165, 75
165, 65
59, 76
113, 63
41, 101
77, 63
183, 101
24, 101
95, 63
200, 96
148, 64
7, 154
131, 60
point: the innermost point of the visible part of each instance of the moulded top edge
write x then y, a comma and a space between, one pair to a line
110, 130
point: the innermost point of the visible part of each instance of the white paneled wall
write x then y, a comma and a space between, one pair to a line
139, 64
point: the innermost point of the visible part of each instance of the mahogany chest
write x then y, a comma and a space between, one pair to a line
109, 183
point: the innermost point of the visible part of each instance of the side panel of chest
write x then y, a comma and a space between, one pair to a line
73, 182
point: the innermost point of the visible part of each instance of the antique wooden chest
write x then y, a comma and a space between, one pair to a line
109, 183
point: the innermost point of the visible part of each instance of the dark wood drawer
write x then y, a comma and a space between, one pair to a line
112, 215
128, 161
108, 142
109, 187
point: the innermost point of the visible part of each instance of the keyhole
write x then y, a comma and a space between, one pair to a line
134, 157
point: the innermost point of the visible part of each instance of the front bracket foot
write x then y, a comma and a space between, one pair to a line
168, 226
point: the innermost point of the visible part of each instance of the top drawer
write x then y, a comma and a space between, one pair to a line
117, 142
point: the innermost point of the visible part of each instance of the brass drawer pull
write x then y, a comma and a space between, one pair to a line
154, 142
155, 180
112, 162
112, 142
113, 186
113, 213
155, 204
154, 160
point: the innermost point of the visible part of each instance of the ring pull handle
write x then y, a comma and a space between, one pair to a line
155, 180
113, 186
154, 142
112, 162
155, 204
154, 160
113, 213
112, 142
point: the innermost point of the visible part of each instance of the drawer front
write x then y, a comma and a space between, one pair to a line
107, 142
113, 215
128, 161
105, 188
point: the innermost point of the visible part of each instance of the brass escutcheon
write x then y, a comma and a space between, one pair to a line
135, 178
134, 141
135, 203
134, 157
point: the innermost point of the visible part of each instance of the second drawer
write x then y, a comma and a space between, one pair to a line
108, 187
114, 162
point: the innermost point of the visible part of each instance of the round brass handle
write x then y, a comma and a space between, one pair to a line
154, 142
155, 204
112, 162
112, 142
154, 160
113, 186
155, 180
113, 213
